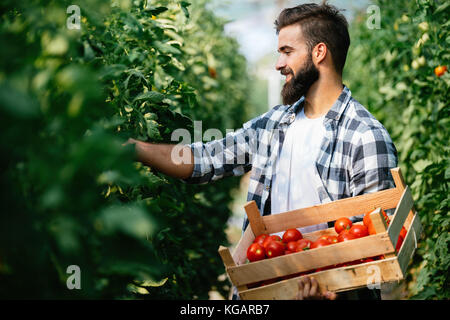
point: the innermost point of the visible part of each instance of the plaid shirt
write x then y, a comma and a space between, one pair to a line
355, 156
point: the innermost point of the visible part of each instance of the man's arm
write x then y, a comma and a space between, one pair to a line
200, 162
160, 157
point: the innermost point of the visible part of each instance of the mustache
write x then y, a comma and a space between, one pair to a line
286, 71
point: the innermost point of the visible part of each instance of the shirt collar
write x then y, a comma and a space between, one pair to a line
336, 109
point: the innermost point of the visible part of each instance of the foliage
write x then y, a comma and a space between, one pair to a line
70, 191
390, 70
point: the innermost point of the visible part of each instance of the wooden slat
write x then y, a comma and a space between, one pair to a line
240, 252
386, 199
398, 219
226, 256
401, 185
378, 221
254, 218
380, 226
308, 260
228, 262
337, 280
409, 244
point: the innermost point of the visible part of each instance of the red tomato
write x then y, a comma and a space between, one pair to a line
352, 263
399, 243
440, 70
332, 239
339, 265
288, 251
303, 244
367, 221
260, 239
269, 239
292, 235
385, 216
291, 246
255, 252
320, 243
275, 249
342, 224
345, 236
403, 232
359, 230
324, 268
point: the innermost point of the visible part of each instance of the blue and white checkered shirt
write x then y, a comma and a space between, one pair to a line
355, 156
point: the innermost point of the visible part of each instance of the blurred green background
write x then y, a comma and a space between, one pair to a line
71, 194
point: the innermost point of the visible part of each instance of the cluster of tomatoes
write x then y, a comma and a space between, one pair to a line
270, 246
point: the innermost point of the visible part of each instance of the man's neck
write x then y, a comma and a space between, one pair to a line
321, 97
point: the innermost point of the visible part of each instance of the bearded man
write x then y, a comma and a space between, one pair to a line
320, 145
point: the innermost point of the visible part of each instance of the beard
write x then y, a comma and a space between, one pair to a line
299, 84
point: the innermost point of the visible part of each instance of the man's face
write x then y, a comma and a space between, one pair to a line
295, 62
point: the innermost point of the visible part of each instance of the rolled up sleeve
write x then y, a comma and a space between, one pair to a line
230, 156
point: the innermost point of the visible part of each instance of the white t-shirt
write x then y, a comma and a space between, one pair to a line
292, 186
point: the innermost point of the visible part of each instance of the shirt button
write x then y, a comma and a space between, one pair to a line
292, 117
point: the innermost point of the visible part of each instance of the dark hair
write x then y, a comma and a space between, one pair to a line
320, 23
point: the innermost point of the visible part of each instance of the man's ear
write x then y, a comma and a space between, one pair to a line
319, 53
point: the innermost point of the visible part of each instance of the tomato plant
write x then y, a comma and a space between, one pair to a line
392, 71
69, 99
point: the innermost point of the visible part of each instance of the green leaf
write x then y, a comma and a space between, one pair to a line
184, 7
16, 103
151, 96
166, 48
421, 165
156, 10
152, 129
442, 7
130, 219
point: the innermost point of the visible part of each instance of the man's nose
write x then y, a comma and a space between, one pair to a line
281, 63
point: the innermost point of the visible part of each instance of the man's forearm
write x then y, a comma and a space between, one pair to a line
177, 163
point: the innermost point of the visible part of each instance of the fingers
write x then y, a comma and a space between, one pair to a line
129, 141
306, 288
330, 295
300, 289
314, 287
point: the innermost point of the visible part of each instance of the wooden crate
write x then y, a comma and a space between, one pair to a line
392, 268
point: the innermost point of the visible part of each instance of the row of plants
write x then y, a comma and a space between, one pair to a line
399, 72
71, 193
